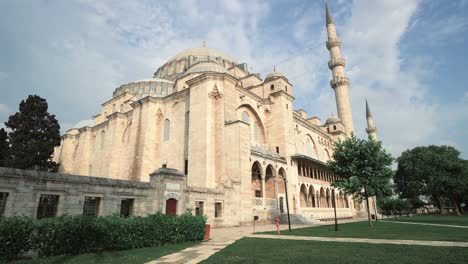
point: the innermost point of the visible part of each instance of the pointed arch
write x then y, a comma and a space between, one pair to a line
257, 127
281, 180
270, 182
256, 180
311, 196
303, 196
309, 147
167, 129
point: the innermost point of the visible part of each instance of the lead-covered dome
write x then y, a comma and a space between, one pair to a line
185, 60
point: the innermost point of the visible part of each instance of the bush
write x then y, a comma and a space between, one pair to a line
80, 234
15, 233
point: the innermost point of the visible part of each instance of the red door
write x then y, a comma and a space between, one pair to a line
171, 206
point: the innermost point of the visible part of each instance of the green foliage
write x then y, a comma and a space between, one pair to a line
34, 134
15, 235
395, 206
365, 166
434, 171
79, 234
70, 235
4, 148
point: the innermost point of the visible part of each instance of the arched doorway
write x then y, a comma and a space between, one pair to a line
171, 206
281, 205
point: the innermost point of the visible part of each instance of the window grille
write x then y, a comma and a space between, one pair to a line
218, 209
91, 206
126, 208
3, 200
199, 208
47, 206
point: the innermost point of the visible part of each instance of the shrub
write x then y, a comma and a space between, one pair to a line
15, 233
80, 234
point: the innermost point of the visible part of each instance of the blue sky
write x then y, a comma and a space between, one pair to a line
407, 57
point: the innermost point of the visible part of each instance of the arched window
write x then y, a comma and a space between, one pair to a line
103, 138
245, 117
167, 129
121, 108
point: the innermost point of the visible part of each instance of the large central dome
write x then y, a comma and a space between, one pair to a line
202, 52
182, 62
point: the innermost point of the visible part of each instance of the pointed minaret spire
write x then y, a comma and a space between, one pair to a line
339, 82
368, 112
329, 16
371, 129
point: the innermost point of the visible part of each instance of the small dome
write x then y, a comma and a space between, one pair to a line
206, 66
333, 120
274, 74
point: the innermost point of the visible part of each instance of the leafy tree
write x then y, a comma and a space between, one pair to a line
365, 166
33, 136
434, 171
3, 147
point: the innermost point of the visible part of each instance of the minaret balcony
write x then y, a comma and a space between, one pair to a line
371, 130
332, 42
339, 81
336, 62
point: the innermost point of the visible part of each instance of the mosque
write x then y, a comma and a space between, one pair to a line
235, 139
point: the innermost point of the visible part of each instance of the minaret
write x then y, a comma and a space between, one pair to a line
339, 82
371, 129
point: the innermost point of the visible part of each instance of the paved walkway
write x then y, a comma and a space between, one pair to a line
418, 223
368, 240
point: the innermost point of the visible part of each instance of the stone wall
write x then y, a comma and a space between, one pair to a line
25, 187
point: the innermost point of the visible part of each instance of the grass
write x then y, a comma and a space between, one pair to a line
254, 250
133, 256
384, 230
434, 219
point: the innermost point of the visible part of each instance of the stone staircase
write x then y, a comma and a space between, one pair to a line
297, 219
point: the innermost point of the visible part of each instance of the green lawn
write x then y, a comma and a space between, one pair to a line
435, 219
384, 230
134, 256
254, 250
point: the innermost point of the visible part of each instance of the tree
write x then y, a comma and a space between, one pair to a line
3, 147
434, 171
365, 167
33, 136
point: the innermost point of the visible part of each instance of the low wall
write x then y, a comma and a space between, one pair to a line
25, 187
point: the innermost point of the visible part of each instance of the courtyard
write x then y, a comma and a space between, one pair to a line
389, 241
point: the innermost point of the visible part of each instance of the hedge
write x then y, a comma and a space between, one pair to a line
69, 235
15, 233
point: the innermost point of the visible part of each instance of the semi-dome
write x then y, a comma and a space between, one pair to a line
206, 66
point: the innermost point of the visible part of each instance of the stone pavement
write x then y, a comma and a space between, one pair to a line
367, 240
417, 223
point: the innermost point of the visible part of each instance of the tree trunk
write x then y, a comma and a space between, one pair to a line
368, 209
455, 205
439, 203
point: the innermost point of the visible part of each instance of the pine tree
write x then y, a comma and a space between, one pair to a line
3, 147
34, 134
